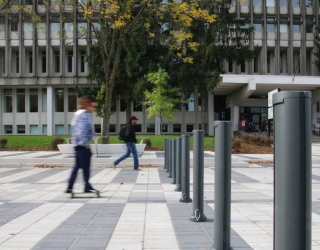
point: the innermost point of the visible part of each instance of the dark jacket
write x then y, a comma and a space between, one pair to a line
130, 133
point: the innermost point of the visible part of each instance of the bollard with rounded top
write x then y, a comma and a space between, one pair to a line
198, 176
292, 170
178, 165
173, 169
222, 185
166, 153
185, 169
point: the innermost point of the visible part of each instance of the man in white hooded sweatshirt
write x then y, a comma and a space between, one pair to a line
82, 134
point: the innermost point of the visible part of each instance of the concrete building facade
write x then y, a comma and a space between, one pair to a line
38, 72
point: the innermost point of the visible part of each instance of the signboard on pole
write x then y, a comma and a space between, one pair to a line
270, 106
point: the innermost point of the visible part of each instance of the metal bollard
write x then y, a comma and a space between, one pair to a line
173, 170
292, 170
171, 158
166, 152
222, 185
198, 176
169, 155
185, 167
178, 165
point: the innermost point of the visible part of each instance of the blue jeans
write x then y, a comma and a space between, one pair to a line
83, 159
131, 148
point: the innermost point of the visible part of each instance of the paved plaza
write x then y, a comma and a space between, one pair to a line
137, 209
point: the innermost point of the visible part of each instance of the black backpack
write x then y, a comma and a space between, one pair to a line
122, 133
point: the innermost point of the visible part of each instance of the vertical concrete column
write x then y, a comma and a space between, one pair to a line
222, 185
292, 170
235, 117
178, 164
185, 167
50, 105
198, 176
210, 114
174, 155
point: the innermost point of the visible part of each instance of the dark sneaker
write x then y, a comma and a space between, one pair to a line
137, 169
91, 191
69, 191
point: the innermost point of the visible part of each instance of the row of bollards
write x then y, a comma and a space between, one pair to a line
292, 173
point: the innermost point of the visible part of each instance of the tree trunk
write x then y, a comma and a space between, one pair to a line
128, 110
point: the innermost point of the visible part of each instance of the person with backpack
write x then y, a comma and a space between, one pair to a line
130, 140
82, 133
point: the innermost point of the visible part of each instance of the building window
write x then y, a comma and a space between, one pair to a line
270, 3
296, 28
256, 65
44, 100
69, 129
176, 128
189, 128
43, 61
246, 3
296, 62
308, 3
97, 128
34, 130
70, 61
8, 100
270, 62
2, 62
2, 27
164, 128
138, 128
30, 61
72, 100
283, 3
243, 67
27, 27
257, 3
122, 105
14, 26
56, 61
270, 27
44, 129
68, 27
283, 28
15, 62
137, 106
82, 27
83, 62
150, 127
21, 101
295, 3
59, 100
8, 129
309, 24
257, 27
42, 28
33, 100
112, 128
190, 104
21, 129
55, 27
59, 129
283, 63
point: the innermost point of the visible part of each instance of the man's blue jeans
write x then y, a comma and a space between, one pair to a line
131, 148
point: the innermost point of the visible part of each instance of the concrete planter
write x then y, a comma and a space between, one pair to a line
101, 149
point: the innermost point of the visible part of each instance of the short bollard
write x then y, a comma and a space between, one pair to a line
166, 152
173, 172
185, 169
222, 185
198, 176
292, 170
178, 165
169, 155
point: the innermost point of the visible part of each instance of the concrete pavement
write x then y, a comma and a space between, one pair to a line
138, 209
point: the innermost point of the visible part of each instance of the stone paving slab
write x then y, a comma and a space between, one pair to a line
137, 209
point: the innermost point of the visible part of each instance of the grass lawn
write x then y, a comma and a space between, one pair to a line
43, 142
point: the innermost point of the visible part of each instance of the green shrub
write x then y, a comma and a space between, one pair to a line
3, 142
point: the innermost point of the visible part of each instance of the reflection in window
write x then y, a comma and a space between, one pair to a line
27, 27
8, 100
176, 128
283, 3
164, 127
34, 130
190, 103
21, 129
72, 100
150, 127
257, 3
8, 129
296, 3
21, 101
270, 3
59, 129
44, 129
33, 100
270, 27
83, 63
68, 27
55, 27
56, 61
296, 28
257, 27
283, 28
59, 100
